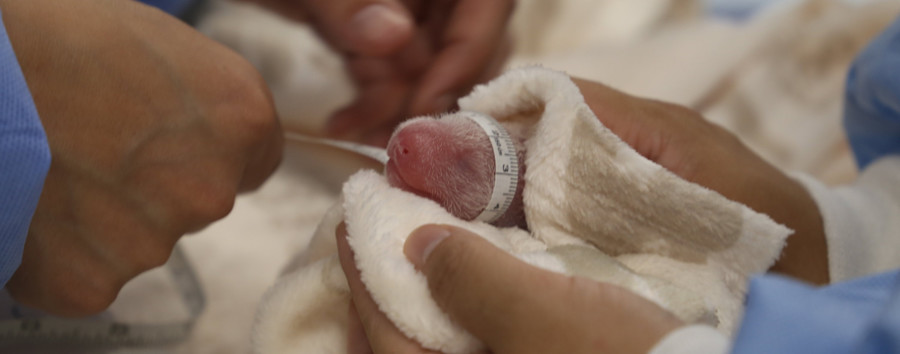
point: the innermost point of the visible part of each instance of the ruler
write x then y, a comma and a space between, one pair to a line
506, 166
96, 333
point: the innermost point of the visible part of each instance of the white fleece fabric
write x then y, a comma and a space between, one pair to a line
595, 208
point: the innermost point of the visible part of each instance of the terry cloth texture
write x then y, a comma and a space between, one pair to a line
594, 206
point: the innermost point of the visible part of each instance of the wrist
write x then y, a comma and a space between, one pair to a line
805, 254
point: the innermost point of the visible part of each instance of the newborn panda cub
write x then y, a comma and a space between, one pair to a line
450, 160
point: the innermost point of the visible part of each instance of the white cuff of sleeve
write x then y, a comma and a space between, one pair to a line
693, 339
860, 220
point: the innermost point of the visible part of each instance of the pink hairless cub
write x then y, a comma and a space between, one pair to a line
451, 160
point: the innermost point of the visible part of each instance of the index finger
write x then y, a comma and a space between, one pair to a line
383, 336
487, 291
514, 307
474, 33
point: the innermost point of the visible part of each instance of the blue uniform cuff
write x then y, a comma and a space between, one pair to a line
872, 103
24, 159
786, 316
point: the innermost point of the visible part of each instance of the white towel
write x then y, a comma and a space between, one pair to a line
595, 208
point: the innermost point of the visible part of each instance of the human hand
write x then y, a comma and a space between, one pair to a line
683, 142
509, 305
153, 129
409, 57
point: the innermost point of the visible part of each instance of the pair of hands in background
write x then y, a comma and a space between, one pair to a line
514, 307
407, 57
154, 128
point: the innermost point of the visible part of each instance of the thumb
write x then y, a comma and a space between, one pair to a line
506, 303
514, 307
365, 27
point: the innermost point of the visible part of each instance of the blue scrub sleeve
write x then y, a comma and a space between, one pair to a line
884, 334
859, 316
786, 316
872, 102
24, 159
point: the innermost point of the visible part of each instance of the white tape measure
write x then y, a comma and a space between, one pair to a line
79, 334
506, 166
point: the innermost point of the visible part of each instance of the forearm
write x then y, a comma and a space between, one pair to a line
805, 254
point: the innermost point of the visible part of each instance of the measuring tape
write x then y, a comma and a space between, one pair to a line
506, 166
80, 333
506, 161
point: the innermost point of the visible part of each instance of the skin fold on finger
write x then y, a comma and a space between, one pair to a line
382, 335
493, 295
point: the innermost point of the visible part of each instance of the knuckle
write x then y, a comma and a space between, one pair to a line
208, 205
89, 296
203, 196
259, 122
246, 101
152, 256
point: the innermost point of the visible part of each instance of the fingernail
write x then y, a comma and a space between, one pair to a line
376, 23
422, 242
